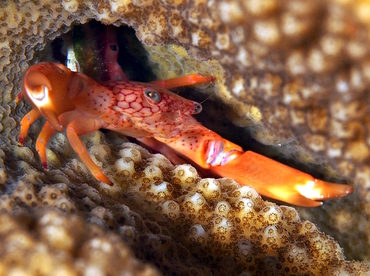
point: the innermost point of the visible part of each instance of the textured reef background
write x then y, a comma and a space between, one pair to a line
294, 73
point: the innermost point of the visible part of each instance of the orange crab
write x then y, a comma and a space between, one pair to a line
73, 102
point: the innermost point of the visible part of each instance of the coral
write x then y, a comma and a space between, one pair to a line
165, 213
297, 70
50, 242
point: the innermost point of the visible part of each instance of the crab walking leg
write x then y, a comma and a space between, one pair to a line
163, 149
79, 126
19, 97
41, 142
269, 177
183, 81
28, 120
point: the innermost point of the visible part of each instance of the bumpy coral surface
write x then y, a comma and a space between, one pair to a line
166, 214
50, 242
298, 71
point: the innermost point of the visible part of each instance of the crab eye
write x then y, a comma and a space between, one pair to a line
197, 108
39, 92
62, 71
61, 68
152, 96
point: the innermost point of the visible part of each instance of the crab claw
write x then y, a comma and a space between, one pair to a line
317, 189
275, 180
47, 87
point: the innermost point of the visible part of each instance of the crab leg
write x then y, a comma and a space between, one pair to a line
27, 120
162, 148
184, 81
79, 126
270, 178
41, 142
19, 97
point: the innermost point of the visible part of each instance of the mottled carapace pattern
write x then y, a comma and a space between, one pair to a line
299, 70
164, 118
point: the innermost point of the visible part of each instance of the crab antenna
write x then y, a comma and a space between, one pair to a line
206, 99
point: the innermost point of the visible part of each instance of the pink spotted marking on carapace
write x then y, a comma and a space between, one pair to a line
152, 108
